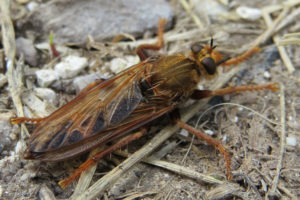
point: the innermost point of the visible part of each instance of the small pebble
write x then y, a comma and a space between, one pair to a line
267, 75
46, 94
71, 66
26, 48
184, 133
291, 141
36, 105
236, 119
46, 77
119, 64
81, 82
211, 8
166, 175
32, 5
249, 13
209, 132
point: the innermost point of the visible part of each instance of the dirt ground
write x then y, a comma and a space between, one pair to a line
260, 129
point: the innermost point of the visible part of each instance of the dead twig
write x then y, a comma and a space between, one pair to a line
188, 9
13, 76
181, 170
282, 141
280, 186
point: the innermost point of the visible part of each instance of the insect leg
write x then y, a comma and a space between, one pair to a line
140, 50
217, 144
241, 58
95, 158
19, 120
200, 94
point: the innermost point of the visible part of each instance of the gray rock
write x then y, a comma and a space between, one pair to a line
73, 21
70, 66
46, 77
26, 47
81, 82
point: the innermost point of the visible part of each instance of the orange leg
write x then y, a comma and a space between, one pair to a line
19, 120
243, 57
209, 140
140, 50
95, 158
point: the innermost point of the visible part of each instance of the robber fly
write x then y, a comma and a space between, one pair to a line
108, 110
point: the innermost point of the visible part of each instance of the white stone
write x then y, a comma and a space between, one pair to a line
249, 13
70, 66
291, 141
267, 75
46, 94
209, 132
224, 138
184, 132
81, 82
36, 105
32, 5
211, 7
45, 77
119, 64
236, 119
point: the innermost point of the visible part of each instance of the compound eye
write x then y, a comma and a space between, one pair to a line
196, 48
209, 65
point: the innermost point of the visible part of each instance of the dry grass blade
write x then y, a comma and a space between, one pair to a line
282, 141
13, 77
188, 9
283, 54
290, 39
224, 192
9, 46
141, 195
294, 16
279, 6
281, 187
102, 184
272, 25
250, 183
181, 170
